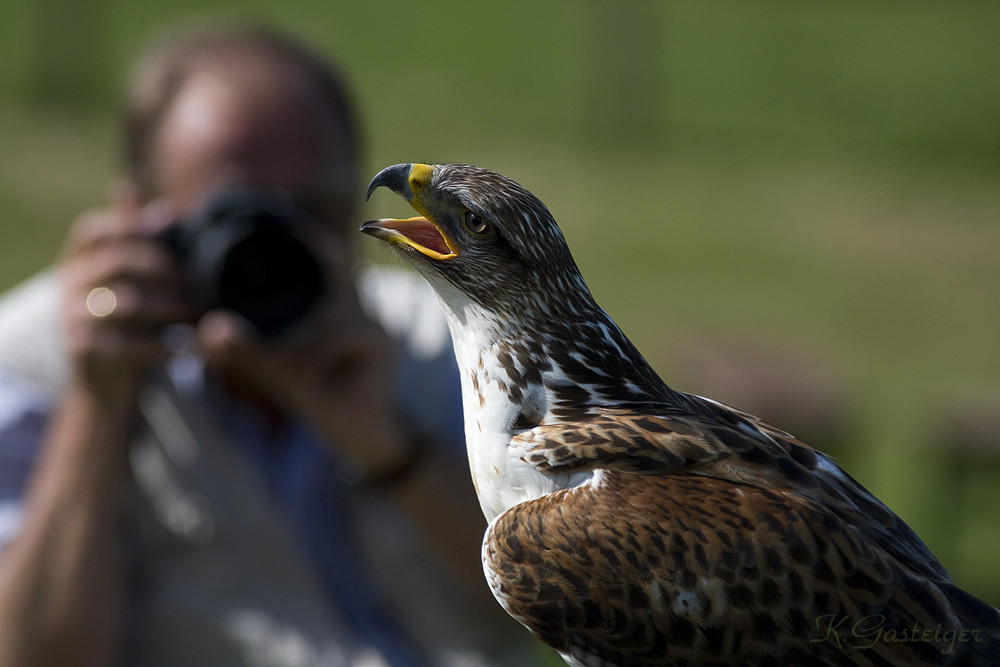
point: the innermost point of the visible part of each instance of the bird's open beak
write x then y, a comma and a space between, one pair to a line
421, 233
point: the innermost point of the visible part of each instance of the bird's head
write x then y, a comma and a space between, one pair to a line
482, 238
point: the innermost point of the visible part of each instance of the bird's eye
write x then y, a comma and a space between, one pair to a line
475, 223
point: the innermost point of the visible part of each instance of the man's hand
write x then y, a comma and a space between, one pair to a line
120, 287
336, 373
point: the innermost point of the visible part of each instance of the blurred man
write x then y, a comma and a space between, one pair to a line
177, 487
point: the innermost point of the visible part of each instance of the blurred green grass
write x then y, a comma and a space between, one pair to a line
817, 178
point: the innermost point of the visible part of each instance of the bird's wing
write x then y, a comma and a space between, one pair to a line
622, 440
716, 441
685, 569
652, 437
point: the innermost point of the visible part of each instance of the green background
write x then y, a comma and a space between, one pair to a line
789, 206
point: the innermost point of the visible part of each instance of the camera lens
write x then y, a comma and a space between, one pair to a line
270, 278
243, 254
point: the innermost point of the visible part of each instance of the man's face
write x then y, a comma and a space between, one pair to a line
258, 125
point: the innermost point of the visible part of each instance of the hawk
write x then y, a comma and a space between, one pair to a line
634, 525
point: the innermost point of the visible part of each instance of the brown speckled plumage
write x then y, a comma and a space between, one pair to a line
634, 525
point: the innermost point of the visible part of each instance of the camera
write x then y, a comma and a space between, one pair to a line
246, 251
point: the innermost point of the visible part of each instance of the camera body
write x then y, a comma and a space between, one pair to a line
247, 251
